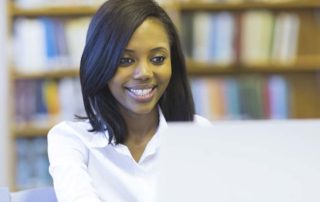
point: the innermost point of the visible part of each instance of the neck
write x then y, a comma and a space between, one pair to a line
141, 129
140, 124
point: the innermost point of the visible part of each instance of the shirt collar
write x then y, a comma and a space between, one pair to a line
154, 143
101, 139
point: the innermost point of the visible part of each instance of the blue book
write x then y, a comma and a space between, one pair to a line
50, 37
278, 93
41, 113
23, 171
232, 98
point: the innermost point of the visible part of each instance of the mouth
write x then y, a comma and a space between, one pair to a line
142, 94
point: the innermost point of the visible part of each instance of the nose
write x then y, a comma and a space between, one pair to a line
143, 71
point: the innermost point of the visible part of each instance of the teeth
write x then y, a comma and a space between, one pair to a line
141, 92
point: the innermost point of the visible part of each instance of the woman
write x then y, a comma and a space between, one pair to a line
133, 80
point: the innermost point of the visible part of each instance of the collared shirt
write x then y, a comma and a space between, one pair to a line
85, 168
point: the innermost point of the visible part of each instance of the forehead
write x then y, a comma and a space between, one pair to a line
150, 33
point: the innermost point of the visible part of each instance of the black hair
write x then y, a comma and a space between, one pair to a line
108, 35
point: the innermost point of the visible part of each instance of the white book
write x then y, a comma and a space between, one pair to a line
286, 35
66, 98
76, 30
70, 98
256, 36
27, 4
29, 45
201, 94
202, 33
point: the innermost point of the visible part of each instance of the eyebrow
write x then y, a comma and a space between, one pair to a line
154, 49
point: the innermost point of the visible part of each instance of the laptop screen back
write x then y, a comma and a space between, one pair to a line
251, 161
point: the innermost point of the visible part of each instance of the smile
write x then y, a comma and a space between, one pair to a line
140, 92
142, 95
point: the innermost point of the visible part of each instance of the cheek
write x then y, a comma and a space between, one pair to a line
119, 78
166, 73
114, 86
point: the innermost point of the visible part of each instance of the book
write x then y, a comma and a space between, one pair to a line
70, 98
201, 95
251, 97
32, 163
51, 98
286, 33
187, 34
232, 99
76, 30
216, 98
221, 48
202, 35
32, 57
256, 36
278, 99
59, 45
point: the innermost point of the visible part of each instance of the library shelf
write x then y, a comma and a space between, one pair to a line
295, 5
64, 10
50, 74
30, 131
206, 69
53, 11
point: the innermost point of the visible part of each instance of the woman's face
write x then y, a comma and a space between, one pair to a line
144, 70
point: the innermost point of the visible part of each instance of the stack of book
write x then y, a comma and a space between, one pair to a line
245, 97
32, 163
44, 101
251, 37
59, 45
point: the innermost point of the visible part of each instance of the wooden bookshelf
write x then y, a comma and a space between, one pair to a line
65, 10
205, 69
52, 74
290, 5
31, 130
52, 11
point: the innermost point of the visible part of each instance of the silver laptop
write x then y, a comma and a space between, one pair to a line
250, 161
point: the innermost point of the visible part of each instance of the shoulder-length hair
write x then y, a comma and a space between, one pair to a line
108, 35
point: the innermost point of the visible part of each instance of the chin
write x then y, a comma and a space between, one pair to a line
143, 110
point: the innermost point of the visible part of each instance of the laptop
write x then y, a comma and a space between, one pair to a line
241, 161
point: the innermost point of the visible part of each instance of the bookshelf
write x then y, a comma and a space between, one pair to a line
293, 88
241, 83
39, 83
280, 5
61, 73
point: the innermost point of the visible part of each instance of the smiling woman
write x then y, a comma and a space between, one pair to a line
133, 80
144, 71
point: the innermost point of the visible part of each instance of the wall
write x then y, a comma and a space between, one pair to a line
4, 122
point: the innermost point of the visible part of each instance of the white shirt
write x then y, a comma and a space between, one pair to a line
85, 168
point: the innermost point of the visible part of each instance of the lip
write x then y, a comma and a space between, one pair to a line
142, 94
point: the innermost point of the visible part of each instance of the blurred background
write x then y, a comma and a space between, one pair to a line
246, 59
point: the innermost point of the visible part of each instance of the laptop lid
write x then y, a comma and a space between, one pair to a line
241, 161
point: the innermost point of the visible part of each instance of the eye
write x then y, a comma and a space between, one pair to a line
126, 61
158, 60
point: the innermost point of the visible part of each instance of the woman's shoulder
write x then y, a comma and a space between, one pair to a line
78, 130
201, 120
70, 127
